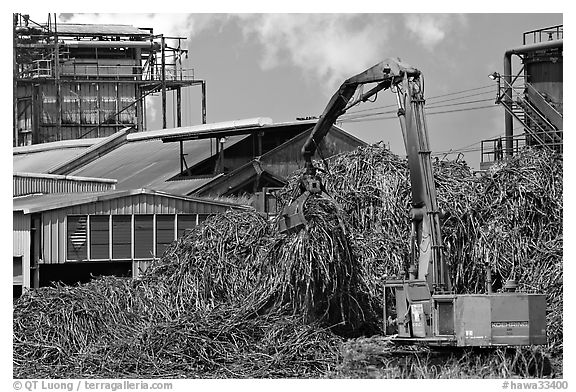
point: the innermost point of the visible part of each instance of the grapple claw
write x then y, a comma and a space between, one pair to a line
292, 216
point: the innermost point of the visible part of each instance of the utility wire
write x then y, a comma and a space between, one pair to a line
428, 114
468, 148
344, 118
437, 96
351, 114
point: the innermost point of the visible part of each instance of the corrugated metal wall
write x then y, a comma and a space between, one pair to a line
21, 243
25, 185
88, 110
54, 222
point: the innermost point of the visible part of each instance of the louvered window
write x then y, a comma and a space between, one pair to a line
76, 237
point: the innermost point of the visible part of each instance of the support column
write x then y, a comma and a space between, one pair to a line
14, 84
57, 80
179, 106
138, 91
203, 102
508, 120
163, 76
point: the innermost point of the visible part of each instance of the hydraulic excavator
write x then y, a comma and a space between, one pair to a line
426, 308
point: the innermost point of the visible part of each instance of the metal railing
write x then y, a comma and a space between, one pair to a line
546, 34
513, 98
76, 70
493, 150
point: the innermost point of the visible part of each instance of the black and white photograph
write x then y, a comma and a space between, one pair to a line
312, 195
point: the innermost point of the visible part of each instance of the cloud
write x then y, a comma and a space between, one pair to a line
181, 25
431, 29
331, 47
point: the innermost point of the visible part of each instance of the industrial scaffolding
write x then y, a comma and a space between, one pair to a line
74, 81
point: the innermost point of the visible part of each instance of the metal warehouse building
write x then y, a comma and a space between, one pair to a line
69, 236
111, 205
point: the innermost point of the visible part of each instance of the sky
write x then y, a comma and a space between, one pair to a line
285, 66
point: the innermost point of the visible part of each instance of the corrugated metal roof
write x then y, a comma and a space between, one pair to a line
37, 203
98, 29
41, 161
150, 163
225, 128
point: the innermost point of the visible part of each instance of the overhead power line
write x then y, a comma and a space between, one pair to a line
428, 99
363, 118
352, 117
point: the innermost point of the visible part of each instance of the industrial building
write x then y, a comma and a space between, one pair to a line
531, 94
183, 161
111, 205
67, 228
79, 81
95, 192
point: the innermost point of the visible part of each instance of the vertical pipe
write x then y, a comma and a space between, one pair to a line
14, 83
138, 93
181, 156
203, 102
78, 92
163, 71
179, 107
204, 110
508, 126
57, 80
117, 107
97, 95
36, 108
98, 108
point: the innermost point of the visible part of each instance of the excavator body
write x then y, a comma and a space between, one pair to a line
424, 306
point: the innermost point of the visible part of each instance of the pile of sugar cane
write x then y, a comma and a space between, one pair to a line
235, 298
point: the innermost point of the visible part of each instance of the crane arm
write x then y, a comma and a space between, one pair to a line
424, 215
386, 74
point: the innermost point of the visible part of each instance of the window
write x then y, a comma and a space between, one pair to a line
185, 221
76, 237
164, 233
100, 237
17, 270
143, 236
121, 236
202, 217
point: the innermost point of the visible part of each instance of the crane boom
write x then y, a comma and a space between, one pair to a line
407, 83
425, 308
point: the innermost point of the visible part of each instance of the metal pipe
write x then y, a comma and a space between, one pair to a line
14, 89
508, 123
178, 107
57, 80
163, 76
203, 102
